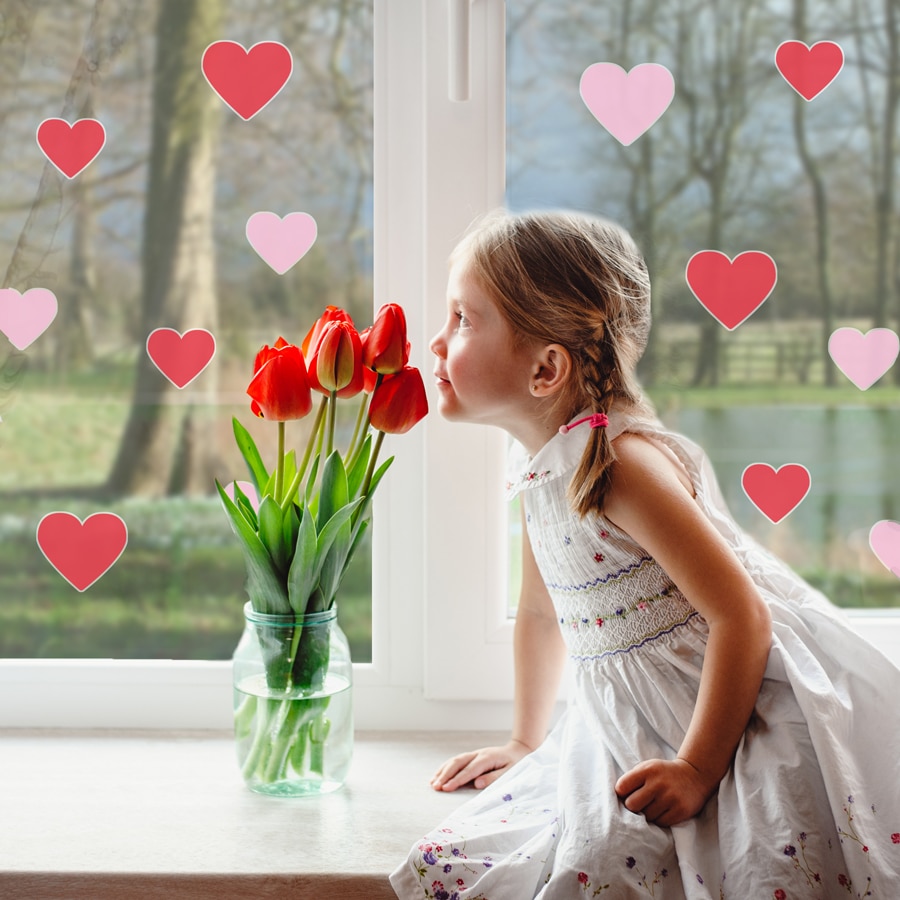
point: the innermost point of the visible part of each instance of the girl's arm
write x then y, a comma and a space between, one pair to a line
539, 655
649, 501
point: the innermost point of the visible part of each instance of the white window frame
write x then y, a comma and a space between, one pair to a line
442, 639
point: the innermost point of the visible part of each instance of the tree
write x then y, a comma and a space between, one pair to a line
161, 450
820, 203
717, 44
881, 112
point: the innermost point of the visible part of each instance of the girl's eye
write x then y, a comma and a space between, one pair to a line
462, 321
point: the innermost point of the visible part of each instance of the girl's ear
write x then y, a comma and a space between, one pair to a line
552, 370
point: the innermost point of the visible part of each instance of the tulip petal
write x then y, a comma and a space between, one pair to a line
280, 388
399, 402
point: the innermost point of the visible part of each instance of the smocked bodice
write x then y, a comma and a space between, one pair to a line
610, 596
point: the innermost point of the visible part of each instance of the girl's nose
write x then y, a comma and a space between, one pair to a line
437, 345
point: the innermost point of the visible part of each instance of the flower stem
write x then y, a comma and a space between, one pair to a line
298, 478
370, 471
332, 415
279, 464
352, 450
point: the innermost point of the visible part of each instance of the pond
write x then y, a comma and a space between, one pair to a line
852, 456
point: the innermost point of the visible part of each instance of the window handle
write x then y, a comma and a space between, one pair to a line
458, 16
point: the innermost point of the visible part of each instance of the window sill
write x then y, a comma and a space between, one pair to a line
113, 814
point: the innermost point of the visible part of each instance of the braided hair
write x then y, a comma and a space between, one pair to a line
581, 282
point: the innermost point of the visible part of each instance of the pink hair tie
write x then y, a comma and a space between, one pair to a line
597, 420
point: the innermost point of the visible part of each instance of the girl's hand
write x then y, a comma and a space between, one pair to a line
665, 791
481, 767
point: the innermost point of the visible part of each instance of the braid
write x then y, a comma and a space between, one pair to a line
588, 487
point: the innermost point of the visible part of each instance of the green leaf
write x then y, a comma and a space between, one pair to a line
310, 556
376, 478
290, 467
242, 501
271, 532
303, 575
379, 474
333, 492
265, 586
290, 528
258, 474
333, 546
311, 482
358, 534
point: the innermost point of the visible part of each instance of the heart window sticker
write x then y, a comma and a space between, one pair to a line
82, 551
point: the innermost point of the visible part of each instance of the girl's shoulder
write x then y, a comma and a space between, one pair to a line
644, 458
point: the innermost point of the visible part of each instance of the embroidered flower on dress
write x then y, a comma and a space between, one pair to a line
895, 837
598, 557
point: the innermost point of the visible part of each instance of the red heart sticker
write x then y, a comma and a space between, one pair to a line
71, 148
809, 70
731, 290
81, 551
181, 357
776, 493
247, 80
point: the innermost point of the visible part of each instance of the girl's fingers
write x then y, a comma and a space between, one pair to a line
450, 768
480, 767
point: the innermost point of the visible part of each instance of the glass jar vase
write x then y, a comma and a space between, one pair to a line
293, 715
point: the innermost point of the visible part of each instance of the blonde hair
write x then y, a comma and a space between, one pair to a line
581, 282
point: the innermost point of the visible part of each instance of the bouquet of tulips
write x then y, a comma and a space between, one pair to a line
312, 512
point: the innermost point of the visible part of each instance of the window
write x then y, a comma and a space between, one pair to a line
740, 162
441, 632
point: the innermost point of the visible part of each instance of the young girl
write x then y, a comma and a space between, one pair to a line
727, 735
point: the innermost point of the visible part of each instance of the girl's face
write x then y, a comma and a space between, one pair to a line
481, 375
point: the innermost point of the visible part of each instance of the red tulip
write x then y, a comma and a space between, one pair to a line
331, 314
280, 386
370, 376
336, 361
386, 350
399, 402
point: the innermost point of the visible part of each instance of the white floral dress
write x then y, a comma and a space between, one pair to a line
811, 804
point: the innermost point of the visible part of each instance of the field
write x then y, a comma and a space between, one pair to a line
177, 591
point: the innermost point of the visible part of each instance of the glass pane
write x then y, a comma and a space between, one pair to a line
739, 162
79, 433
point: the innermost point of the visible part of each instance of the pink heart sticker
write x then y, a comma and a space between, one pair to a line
884, 539
247, 80
809, 70
25, 317
248, 490
730, 290
773, 492
81, 551
626, 104
71, 148
181, 357
864, 358
281, 243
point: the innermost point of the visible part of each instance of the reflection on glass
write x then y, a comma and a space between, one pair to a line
152, 234
739, 162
